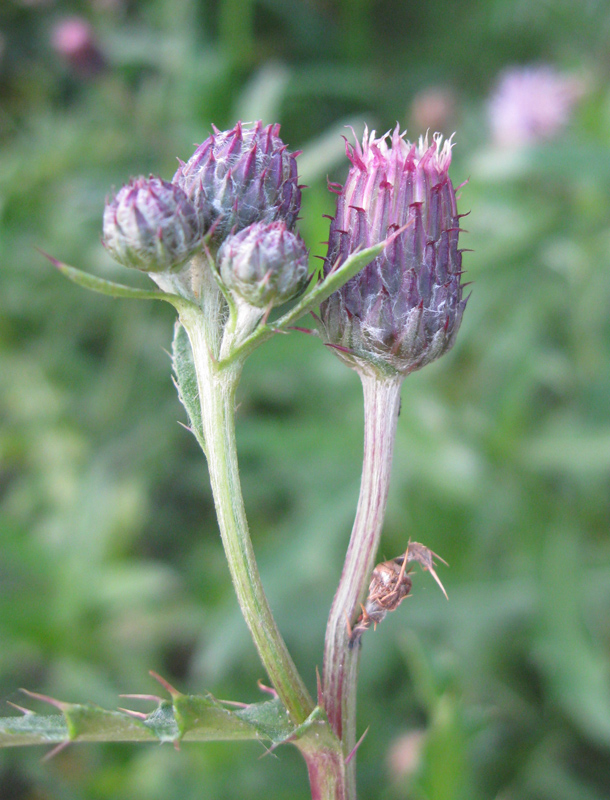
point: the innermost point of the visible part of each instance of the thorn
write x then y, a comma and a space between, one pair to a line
302, 330
167, 686
268, 751
349, 625
136, 714
23, 710
153, 697
340, 348
316, 317
269, 689
356, 746
56, 750
338, 262
271, 750
266, 314
186, 428
236, 703
54, 261
45, 699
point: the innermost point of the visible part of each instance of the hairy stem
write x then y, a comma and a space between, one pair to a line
381, 406
217, 386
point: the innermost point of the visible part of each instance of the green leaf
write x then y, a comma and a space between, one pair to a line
186, 381
112, 289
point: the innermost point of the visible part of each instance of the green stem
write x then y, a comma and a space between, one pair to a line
381, 406
217, 386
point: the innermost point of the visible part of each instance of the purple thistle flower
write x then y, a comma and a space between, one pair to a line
265, 264
242, 176
403, 310
151, 225
531, 104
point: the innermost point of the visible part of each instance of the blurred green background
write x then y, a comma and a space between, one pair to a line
110, 560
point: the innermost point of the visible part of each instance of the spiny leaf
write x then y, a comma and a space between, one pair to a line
196, 718
186, 381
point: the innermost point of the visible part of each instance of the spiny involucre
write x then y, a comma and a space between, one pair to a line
151, 225
265, 264
404, 309
241, 176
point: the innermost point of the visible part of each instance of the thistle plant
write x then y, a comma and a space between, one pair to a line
220, 242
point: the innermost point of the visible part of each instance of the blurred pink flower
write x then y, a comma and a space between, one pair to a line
405, 753
433, 108
531, 104
74, 41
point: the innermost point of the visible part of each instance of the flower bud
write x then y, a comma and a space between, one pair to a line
239, 177
151, 225
404, 308
265, 264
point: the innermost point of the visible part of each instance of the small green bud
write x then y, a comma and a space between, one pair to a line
151, 225
265, 264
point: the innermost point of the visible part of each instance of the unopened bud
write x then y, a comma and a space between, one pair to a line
265, 264
151, 225
239, 177
403, 309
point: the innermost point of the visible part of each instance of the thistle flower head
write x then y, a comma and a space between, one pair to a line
531, 104
151, 225
403, 310
239, 177
264, 264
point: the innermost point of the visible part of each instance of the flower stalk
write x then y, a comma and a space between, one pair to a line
217, 385
381, 406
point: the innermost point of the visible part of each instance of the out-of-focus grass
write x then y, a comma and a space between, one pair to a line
110, 559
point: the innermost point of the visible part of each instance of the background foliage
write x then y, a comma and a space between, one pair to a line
110, 560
